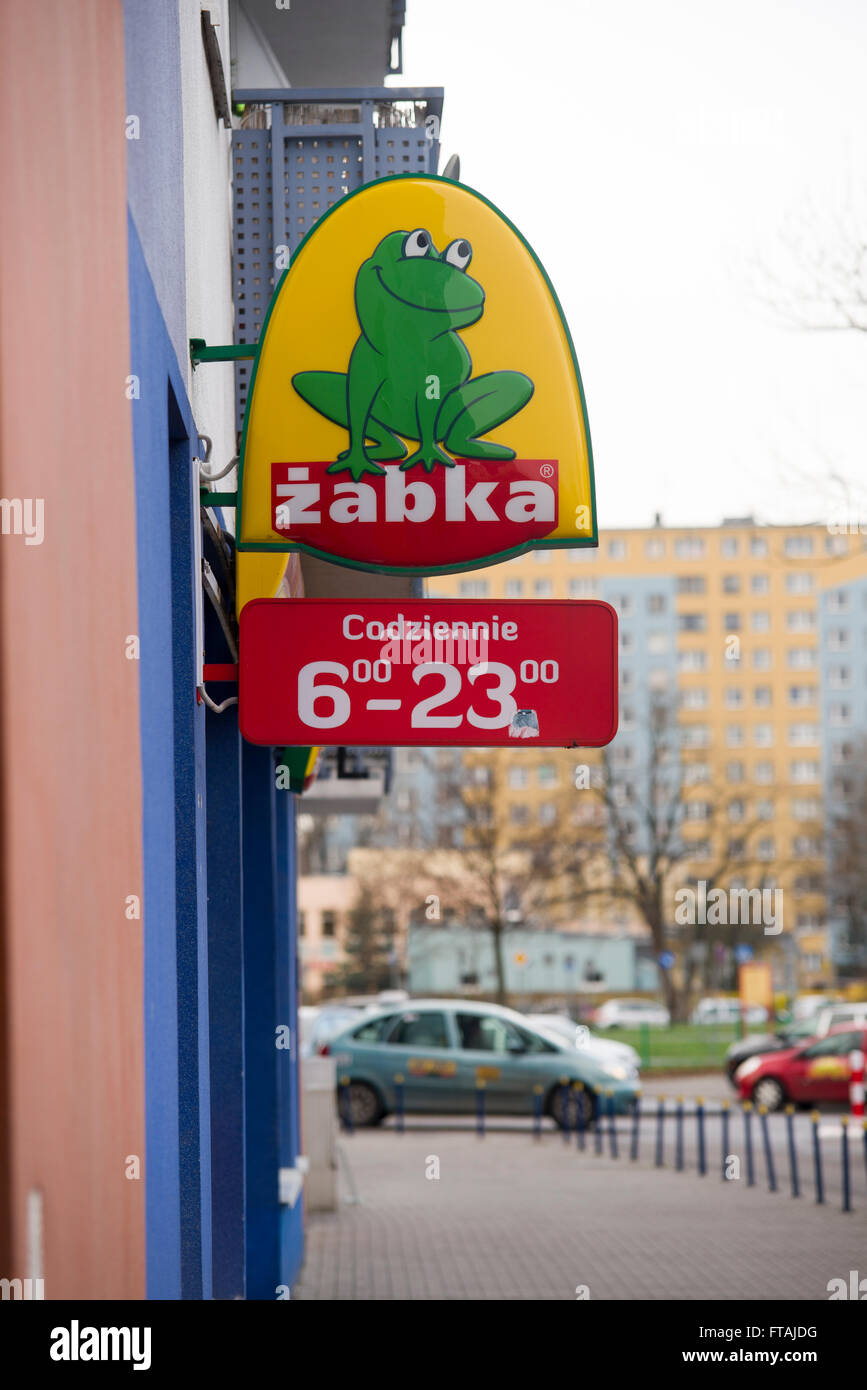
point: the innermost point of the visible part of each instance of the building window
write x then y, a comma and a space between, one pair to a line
802, 694
801, 658
734, 772
694, 698
542, 557
803, 735
732, 622
696, 810
734, 735
758, 546
761, 584
691, 584
656, 603
798, 546
729, 546
519, 814
799, 583
514, 588
731, 584
839, 677
804, 770
800, 620
763, 736
329, 923
518, 777
695, 774
806, 808
736, 810
546, 775
839, 713
763, 773
542, 588
657, 643
733, 697
838, 639
583, 588
760, 621
837, 601
654, 548
689, 547
473, 588
617, 550
765, 810
762, 659
694, 736
302, 923
765, 848
692, 622
548, 813
762, 696
692, 661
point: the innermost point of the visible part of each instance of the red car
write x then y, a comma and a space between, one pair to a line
813, 1071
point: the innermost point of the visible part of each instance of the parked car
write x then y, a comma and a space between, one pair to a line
722, 1010
318, 1023
833, 1014
806, 1005
603, 1049
788, 1035
807, 1074
444, 1047
631, 1013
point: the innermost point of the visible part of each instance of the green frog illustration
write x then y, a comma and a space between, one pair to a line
409, 372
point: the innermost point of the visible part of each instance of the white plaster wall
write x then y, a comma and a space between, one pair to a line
208, 230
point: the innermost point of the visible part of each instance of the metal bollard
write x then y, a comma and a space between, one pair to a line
480, 1109
636, 1117
699, 1115
793, 1156
725, 1138
580, 1117
398, 1103
538, 1092
612, 1129
599, 1127
769, 1157
748, 1142
565, 1099
344, 1107
660, 1117
817, 1158
847, 1196
678, 1142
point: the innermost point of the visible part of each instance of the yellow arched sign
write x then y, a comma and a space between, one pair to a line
415, 404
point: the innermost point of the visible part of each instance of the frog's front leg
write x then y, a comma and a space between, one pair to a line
363, 385
428, 453
479, 406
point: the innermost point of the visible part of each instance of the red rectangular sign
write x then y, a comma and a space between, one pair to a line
428, 671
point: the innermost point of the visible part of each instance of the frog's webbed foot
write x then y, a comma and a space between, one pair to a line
356, 462
480, 405
429, 456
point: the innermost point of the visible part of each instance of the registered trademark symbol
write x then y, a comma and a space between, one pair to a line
547, 470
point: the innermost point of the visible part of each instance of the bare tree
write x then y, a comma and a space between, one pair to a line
636, 851
847, 874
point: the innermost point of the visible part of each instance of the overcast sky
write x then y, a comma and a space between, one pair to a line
650, 152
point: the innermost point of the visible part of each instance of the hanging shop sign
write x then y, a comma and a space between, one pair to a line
427, 672
415, 403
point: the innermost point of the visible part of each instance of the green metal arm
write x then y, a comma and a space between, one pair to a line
228, 352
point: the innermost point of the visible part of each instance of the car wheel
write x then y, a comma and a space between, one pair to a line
770, 1093
583, 1098
365, 1107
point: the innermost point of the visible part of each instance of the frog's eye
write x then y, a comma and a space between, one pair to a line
418, 243
458, 254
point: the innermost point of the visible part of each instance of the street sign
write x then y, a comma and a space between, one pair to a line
665, 960
435, 671
415, 404
743, 954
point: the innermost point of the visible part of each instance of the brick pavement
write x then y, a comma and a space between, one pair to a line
509, 1218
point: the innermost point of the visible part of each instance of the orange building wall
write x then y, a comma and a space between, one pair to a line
72, 1056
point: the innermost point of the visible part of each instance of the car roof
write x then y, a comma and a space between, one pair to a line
464, 1006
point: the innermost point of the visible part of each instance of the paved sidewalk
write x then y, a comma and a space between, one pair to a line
509, 1218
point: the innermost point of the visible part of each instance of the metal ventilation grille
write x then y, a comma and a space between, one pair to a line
254, 246
319, 146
